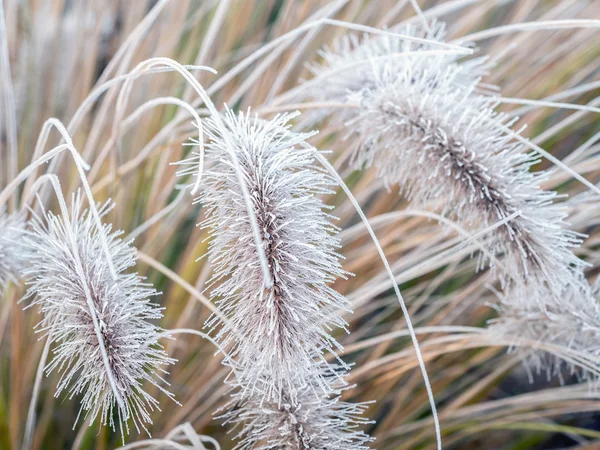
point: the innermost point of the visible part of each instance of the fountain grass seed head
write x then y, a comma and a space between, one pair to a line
419, 120
312, 421
280, 333
570, 326
121, 309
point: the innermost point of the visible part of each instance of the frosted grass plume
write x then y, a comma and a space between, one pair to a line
280, 333
121, 306
314, 421
420, 122
12, 228
572, 325
357, 66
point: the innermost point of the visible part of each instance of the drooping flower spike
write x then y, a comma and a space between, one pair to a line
280, 333
104, 386
425, 123
105, 345
568, 330
314, 421
420, 122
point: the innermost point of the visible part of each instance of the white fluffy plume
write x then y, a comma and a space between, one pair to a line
285, 394
121, 315
567, 331
419, 121
282, 332
313, 421
355, 68
12, 228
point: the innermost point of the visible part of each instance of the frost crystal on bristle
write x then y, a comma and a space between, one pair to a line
314, 422
421, 125
12, 262
571, 324
279, 332
121, 305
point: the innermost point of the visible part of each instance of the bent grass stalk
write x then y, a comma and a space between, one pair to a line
390, 274
9, 105
81, 167
149, 64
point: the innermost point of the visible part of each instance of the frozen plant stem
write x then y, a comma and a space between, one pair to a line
153, 62
30, 425
9, 104
227, 77
539, 25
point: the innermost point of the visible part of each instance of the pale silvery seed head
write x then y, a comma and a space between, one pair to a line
356, 68
313, 421
421, 125
571, 324
122, 308
279, 332
12, 260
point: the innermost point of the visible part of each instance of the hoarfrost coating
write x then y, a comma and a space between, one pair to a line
313, 422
